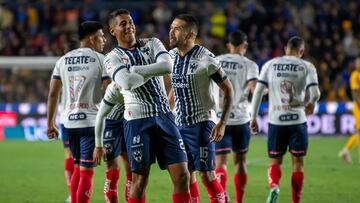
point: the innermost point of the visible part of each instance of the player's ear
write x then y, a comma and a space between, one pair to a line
301, 52
228, 46
112, 31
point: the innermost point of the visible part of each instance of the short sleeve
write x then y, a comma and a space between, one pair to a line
213, 64
56, 72
158, 48
112, 62
252, 71
354, 82
263, 78
112, 94
104, 75
311, 77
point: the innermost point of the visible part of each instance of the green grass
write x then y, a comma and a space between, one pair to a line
33, 172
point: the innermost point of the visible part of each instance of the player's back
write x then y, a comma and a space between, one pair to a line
287, 78
81, 72
149, 99
239, 70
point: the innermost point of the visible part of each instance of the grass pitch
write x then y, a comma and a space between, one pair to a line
33, 172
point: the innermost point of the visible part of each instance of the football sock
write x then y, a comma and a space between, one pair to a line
240, 180
84, 191
68, 170
352, 141
127, 186
221, 173
183, 197
74, 183
111, 185
297, 183
215, 192
274, 175
194, 192
136, 200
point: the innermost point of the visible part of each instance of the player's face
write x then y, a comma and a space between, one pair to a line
123, 29
98, 41
178, 33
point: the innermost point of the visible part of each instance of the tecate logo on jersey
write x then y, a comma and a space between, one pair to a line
78, 68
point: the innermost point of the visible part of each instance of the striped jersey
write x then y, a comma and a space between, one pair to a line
81, 72
149, 99
287, 79
114, 98
239, 70
192, 85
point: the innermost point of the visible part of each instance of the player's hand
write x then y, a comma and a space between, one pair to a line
217, 133
98, 154
52, 132
309, 108
254, 128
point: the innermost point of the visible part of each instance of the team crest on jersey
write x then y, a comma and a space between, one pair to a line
193, 67
137, 155
145, 50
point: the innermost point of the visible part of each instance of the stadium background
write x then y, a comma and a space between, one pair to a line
47, 28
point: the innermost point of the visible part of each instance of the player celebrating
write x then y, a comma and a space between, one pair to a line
288, 78
355, 92
79, 74
109, 134
194, 69
243, 74
150, 130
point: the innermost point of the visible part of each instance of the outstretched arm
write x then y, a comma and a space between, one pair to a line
53, 98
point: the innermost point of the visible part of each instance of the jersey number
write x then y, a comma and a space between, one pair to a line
76, 85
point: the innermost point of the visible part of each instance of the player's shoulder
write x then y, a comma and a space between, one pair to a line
248, 62
173, 52
143, 42
203, 52
308, 64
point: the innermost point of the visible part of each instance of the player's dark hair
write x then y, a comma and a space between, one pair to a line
115, 13
88, 28
237, 37
295, 43
191, 22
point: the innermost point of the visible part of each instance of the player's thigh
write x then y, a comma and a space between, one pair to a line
278, 140
74, 144
113, 139
241, 138
138, 135
299, 140
87, 145
169, 144
64, 136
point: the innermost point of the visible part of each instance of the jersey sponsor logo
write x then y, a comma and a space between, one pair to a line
289, 117
78, 68
71, 60
288, 67
179, 81
79, 106
287, 90
286, 75
229, 65
77, 116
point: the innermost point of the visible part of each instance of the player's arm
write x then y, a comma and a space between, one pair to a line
314, 96
53, 98
162, 66
225, 85
255, 104
104, 110
251, 85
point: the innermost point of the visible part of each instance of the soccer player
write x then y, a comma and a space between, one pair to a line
195, 68
355, 92
243, 74
288, 79
109, 140
79, 75
150, 130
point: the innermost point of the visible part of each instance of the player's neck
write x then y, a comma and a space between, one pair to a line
183, 50
86, 44
127, 45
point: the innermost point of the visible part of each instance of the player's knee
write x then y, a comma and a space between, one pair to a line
207, 176
139, 182
182, 178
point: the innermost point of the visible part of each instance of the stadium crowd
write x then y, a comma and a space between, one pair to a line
48, 28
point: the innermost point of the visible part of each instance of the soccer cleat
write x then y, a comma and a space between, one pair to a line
273, 195
345, 155
68, 199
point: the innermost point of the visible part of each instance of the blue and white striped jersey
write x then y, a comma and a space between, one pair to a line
114, 98
193, 86
239, 70
149, 99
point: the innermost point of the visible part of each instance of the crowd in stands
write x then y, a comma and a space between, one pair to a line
330, 28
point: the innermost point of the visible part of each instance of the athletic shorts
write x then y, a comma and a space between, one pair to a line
201, 152
154, 138
294, 136
114, 140
64, 136
82, 144
236, 138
